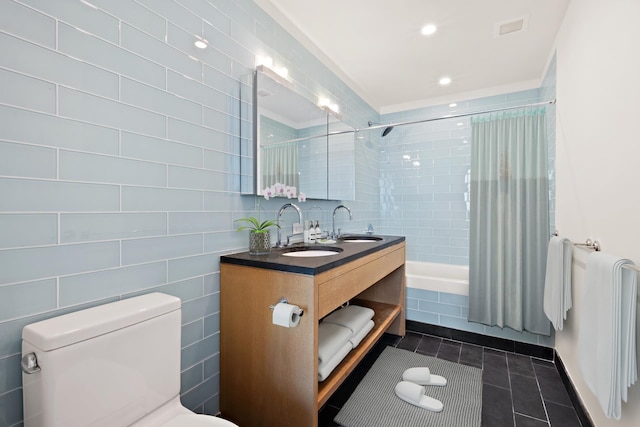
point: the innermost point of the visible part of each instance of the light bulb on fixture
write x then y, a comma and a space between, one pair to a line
266, 61
428, 29
282, 72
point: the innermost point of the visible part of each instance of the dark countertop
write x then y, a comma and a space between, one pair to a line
311, 265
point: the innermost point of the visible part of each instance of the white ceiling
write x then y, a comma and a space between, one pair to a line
376, 47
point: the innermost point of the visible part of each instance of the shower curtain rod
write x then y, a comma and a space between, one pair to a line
413, 122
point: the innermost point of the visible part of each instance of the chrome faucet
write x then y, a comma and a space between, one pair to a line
280, 212
333, 222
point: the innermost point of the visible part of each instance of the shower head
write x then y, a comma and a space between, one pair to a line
385, 131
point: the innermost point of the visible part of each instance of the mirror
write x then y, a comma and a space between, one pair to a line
299, 144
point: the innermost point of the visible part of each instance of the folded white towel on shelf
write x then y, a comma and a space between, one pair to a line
325, 368
606, 338
353, 317
359, 336
331, 339
557, 284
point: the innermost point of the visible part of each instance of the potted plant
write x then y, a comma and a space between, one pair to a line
259, 231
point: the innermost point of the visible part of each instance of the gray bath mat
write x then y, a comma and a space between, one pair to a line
375, 404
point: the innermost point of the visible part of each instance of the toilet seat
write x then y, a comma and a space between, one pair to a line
195, 420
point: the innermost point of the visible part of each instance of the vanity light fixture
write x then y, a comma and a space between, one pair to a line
263, 62
282, 72
444, 81
428, 29
325, 103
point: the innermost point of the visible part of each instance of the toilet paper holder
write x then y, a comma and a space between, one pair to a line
285, 301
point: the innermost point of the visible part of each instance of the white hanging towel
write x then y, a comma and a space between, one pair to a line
557, 284
606, 339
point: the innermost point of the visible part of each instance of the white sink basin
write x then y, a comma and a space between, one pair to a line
360, 239
310, 253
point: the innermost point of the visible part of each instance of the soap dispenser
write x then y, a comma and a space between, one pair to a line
312, 232
318, 231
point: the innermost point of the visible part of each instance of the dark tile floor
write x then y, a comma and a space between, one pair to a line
518, 391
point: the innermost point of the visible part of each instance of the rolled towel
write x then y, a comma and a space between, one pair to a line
353, 317
331, 338
325, 369
358, 337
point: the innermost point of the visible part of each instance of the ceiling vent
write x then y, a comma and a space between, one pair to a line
511, 26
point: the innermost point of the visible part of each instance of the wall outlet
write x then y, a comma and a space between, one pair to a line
297, 228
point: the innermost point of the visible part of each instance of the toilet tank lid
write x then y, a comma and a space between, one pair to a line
81, 325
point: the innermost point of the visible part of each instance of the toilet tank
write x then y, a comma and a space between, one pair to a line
104, 366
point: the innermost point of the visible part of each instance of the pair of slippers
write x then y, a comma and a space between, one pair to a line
412, 388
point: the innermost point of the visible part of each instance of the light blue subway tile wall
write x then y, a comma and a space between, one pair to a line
424, 171
451, 311
18, 230
27, 92
27, 161
17, 125
120, 162
424, 177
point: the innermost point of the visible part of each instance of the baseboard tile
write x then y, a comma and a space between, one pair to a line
582, 413
533, 350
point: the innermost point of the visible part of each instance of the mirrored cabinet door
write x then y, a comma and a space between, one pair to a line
295, 144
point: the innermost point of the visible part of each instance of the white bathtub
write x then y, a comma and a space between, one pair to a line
453, 279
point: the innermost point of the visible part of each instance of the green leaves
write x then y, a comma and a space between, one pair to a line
256, 226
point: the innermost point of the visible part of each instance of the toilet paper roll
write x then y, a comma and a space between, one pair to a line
286, 315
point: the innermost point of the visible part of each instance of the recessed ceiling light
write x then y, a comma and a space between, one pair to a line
453, 104
444, 81
428, 29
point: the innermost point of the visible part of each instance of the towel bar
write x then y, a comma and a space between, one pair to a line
593, 245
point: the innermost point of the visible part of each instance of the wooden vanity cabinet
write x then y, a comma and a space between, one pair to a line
269, 373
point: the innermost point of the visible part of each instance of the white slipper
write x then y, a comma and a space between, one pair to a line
414, 394
422, 376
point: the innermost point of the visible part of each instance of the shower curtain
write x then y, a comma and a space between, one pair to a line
280, 164
509, 227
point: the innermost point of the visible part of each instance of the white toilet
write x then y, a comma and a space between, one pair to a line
113, 365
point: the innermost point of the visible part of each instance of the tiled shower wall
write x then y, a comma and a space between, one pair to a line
120, 162
425, 177
424, 195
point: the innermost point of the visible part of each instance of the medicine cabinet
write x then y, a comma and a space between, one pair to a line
297, 143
